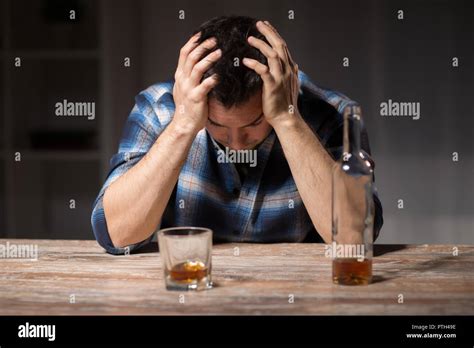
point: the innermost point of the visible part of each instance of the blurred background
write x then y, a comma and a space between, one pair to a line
51, 168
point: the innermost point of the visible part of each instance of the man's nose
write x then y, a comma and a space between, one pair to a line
237, 139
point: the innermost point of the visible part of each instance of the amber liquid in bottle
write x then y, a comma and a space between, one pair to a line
350, 271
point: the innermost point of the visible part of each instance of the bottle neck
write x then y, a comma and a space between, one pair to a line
352, 129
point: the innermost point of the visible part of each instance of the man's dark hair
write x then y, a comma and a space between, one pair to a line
236, 83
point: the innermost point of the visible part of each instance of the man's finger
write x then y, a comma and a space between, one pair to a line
274, 62
290, 59
206, 85
186, 49
273, 29
259, 68
201, 67
278, 44
195, 55
287, 51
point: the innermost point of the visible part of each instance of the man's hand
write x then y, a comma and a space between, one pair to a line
189, 94
280, 77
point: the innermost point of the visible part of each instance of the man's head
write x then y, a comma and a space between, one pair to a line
235, 104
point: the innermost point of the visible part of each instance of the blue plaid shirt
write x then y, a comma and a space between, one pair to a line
265, 207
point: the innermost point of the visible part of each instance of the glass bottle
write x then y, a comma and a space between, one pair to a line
352, 207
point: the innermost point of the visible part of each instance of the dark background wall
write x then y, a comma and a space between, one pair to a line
82, 60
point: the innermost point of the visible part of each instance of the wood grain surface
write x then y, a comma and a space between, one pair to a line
262, 279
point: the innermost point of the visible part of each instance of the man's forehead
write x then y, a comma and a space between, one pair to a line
235, 116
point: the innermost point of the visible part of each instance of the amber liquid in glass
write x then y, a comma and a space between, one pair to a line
188, 272
350, 271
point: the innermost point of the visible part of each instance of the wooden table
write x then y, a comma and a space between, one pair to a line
262, 279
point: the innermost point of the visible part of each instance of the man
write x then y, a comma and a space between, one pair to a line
236, 88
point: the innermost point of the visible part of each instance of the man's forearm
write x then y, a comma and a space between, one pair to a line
311, 167
135, 202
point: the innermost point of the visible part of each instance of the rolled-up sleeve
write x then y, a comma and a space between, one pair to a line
141, 130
